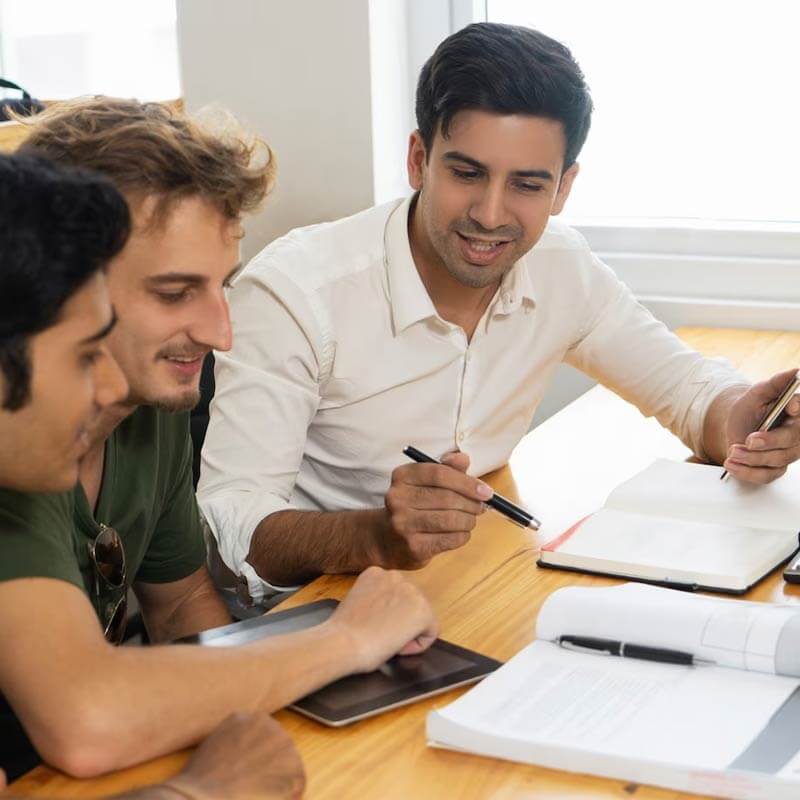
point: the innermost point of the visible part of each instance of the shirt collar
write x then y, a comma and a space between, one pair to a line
408, 296
516, 288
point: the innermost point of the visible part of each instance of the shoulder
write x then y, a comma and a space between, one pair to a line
24, 510
563, 254
37, 536
563, 262
558, 237
319, 255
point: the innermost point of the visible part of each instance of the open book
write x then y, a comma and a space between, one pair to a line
728, 729
678, 523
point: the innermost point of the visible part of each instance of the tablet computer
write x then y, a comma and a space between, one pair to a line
402, 680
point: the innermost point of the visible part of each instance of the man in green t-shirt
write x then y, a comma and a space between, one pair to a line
61, 565
60, 228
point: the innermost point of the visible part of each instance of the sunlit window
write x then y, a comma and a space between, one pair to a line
697, 105
58, 49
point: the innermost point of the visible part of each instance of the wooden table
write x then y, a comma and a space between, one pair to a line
487, 595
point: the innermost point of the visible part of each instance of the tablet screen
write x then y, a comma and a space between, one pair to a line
402, 680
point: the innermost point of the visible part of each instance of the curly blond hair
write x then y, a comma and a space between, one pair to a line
151, 149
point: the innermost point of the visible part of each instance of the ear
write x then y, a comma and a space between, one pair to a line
415, 162
564, 188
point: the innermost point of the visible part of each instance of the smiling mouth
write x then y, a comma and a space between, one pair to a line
481, 252
185, 359
483, 244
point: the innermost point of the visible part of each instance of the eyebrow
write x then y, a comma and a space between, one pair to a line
104, 331
455, 155
188, 278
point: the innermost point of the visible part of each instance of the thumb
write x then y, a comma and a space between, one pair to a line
456, 460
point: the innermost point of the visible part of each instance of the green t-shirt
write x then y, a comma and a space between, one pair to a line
146, 494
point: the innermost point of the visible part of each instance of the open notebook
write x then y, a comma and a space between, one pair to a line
678, 523
730, 729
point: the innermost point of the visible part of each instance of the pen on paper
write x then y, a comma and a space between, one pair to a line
612, 647
511, 511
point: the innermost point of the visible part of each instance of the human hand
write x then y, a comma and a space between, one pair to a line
246, 756
761, 457
384, 614
430, 508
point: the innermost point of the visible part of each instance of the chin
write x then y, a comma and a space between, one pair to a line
53, 483
185, 400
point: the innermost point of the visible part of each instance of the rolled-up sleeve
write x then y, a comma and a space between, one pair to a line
625, 348
267, 392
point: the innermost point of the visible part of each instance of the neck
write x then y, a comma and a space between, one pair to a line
90, 469
462, 305
107, 422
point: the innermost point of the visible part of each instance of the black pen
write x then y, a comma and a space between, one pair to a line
519, 516
591, 644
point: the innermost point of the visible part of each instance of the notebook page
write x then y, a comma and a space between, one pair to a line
762, 637
695, 492
694, 717
667, 549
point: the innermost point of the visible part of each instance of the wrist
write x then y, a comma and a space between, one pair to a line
716, 442
345, 645
376, 535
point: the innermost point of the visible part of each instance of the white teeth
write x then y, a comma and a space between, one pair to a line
484, 247
182, 360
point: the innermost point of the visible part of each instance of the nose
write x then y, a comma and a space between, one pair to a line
489, 208
111, 385
213, 326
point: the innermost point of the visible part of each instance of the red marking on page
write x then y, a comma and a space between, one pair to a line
554, 544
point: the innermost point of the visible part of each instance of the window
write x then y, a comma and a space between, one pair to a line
57, 49
696, 110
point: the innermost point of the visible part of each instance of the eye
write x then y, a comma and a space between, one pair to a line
173, 297
529, 188
466, 174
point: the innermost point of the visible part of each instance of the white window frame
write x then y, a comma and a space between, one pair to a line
704, 272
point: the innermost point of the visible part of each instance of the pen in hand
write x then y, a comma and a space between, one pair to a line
517, 515
774, 415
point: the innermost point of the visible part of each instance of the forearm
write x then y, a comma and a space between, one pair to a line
181, 608
715, 435
157, 700
203, 611
291, 547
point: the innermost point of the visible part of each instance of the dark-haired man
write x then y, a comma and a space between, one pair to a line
67, 559
56, 375
441, 319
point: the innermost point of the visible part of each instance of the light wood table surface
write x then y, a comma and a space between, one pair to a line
487, 595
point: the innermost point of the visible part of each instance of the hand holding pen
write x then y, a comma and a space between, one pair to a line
511, 511
429, 508
763, 437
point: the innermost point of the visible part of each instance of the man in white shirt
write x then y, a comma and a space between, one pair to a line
438, 321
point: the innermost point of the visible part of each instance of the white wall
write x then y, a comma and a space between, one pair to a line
297, 72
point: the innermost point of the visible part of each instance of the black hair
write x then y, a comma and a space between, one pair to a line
505, 69
58, 227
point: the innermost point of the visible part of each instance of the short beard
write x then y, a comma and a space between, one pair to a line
186, 402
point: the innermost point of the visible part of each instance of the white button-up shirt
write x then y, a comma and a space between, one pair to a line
339, 360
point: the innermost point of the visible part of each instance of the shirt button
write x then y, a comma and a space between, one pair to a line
460, 437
